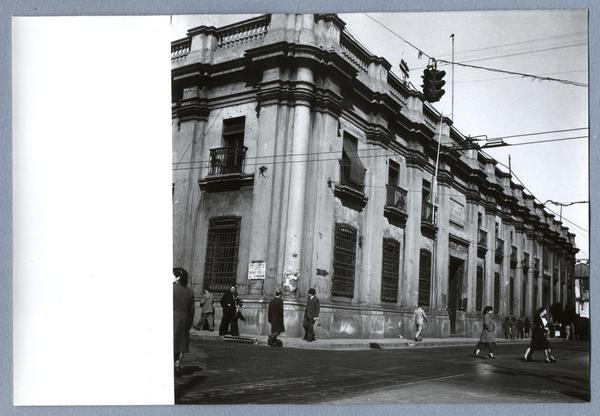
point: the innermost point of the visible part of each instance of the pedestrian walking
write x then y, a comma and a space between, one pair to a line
420, 318
183, 316
311, 315
488, 334
235, 331
539, 337
207, 312
275, 315
519, 325
228, 303
506, 327
526, 326
512, 331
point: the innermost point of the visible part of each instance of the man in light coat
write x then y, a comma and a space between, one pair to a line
420, 319
207, 312
311, 315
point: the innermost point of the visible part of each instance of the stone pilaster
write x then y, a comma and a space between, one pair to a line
300, 145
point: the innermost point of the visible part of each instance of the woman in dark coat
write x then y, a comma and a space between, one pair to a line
276, 318
488, 334
183, 315
539, 337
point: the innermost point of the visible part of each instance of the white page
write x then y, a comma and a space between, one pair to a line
92, 211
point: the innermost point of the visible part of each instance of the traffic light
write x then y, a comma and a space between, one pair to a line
432, 84
437, 83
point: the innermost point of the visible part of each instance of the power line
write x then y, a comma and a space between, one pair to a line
498, 79
488, 58
376, 150
535, 142
517, 43
563, 81
397, 35
538, 133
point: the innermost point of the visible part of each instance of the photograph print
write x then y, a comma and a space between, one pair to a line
381, 208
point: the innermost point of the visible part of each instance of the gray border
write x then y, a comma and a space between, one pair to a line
112, 7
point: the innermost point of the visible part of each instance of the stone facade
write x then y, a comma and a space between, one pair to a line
325, 127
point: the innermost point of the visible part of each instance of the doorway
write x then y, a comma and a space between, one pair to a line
455, 289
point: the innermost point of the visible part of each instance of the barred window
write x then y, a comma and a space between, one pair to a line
479, 289
424, 277
390, 271
496, 292
523, 297
511, 296
344, 261
220, 268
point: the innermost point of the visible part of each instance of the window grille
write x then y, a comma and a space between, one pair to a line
479, 289
344, 261
424, 277
390, 270
511, 294
220, 268
496, 292
523, 297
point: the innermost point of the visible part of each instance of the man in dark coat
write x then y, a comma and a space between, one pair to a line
311, 315
276, 318
228, 303
183, 315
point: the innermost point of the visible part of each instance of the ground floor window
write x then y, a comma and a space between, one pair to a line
390, 271
344, 261
223, 241
424, 277
479, 289
511, 296
496, 292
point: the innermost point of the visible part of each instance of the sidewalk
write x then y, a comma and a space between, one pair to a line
358, 344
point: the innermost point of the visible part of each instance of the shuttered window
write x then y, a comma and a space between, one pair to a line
344, 261
390, 271
479, 289
220, 268
424, 277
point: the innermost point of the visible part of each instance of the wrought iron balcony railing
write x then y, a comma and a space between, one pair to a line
482, 238
352, 176
499, 249
427, 212
396, 197
227, 160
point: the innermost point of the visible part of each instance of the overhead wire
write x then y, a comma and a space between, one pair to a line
563, 81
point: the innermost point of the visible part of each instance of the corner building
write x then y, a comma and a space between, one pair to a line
300, 160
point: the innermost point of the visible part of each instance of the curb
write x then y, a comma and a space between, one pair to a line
376, 344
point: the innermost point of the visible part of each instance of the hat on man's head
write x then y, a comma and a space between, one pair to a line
312, 291
278, 293
234, 285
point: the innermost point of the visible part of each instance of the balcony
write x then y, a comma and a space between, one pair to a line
481, 242
395, 206
226, 170
525, 262
428, 227
513, 257
350, 189
499, 255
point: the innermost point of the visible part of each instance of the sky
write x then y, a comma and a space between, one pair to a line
546, 43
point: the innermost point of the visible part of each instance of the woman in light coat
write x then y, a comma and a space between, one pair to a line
488, 334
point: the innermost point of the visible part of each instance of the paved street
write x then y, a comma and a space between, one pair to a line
253, 374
